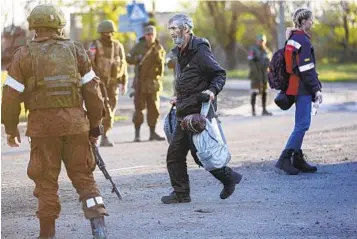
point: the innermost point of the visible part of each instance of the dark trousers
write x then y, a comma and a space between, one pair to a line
177, 157
254, 97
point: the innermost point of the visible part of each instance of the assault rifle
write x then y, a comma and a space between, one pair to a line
99, 161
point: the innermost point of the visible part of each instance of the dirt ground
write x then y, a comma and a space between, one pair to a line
266, 204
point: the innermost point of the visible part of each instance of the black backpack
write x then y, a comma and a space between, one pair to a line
278, 78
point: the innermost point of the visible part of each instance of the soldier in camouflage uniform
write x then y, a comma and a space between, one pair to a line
53, 76
259, 56
148, 56
108, 60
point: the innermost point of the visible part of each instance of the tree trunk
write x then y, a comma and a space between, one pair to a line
346, 12
231, 58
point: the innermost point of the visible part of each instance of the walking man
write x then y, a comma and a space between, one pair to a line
197, 72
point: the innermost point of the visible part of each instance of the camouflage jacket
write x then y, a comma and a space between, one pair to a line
149, 67
259, 58
108, 60
50, 121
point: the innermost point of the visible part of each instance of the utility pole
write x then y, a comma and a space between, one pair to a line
281, 25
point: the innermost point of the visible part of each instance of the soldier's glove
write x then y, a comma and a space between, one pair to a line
14, 140
96, 132
207, 95
318, 97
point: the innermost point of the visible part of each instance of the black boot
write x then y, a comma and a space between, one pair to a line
284, 162
154, 135
99, 230
137, 134
228, 178
300, 163
264, 104
176, 198
105, 142
252, 102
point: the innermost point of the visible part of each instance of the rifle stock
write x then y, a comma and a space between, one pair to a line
101, 165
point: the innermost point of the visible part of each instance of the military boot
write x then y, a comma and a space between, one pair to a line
47, 228
99, 230
299, 162
266, 113
104, 142
154, 135
253, 98
228, 178
264, 103
284, 162
176, 198
137, 134
253, 110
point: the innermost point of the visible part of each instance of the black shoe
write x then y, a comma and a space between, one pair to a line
266, 113
157, 137
99, 230
229, 189
105, 142
228, 178
284, 162
176, 198
154, 135
300, 163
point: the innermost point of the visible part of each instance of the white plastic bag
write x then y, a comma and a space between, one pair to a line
211, 146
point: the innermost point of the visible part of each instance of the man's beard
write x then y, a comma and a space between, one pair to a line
179, 40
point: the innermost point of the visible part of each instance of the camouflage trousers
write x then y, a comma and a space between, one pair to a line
149, 101
108, 120
259, 86
45, 166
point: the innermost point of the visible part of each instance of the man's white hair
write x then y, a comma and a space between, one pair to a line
183, 21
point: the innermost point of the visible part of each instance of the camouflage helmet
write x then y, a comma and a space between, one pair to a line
106, 26
46, 15
261, 37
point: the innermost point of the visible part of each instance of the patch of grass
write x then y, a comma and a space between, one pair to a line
120, 118
327, 72
240, 73
337, 72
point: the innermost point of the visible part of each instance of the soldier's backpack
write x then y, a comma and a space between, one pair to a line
278, 78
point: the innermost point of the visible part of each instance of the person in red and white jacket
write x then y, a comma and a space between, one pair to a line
304, 85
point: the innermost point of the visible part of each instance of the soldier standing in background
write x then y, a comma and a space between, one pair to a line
108, 60
53, 76
259, 56
148, 56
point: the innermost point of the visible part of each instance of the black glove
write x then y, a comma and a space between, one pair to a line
203, 97
97, 131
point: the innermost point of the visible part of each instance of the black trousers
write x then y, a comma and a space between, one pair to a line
177, 159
